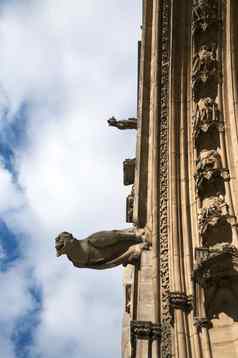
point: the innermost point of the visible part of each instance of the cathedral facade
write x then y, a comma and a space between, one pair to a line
181, 300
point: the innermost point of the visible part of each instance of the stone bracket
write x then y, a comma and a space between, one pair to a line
179, 300
146, 331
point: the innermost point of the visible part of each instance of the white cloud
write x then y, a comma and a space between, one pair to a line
75, 65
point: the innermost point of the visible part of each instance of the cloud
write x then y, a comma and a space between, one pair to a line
72, 66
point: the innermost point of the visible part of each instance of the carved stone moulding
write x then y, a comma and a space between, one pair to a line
204, 15
129, 171
179, 300
214, 265
130, 206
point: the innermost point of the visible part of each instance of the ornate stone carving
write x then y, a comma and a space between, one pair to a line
143, 330
206, 115
205, 69
130, 123
210, 171
212, 265
205, 14
166, 343
104, 249
130, 206
179, 300
210, 216
129, 171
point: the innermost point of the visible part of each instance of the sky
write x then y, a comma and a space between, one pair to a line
65, 68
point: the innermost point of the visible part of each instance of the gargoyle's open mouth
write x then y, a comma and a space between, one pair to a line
59, 249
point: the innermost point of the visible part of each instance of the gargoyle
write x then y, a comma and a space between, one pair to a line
130, 123
206, 115
104, 249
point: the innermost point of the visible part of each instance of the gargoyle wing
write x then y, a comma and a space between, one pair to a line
103, 239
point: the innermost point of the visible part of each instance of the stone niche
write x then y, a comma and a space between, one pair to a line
129, 171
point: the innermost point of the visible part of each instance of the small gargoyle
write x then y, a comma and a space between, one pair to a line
130, 123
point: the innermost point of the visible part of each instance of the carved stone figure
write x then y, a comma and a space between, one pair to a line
209, 217
204, 64
104, 249
130, 123
206, 115
205, 14
209, 170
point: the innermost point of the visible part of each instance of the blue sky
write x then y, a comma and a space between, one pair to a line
65, 68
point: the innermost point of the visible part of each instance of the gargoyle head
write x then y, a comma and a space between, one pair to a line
112, 121
61, 242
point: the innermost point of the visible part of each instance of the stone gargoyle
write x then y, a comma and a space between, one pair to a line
104, 249
130, 123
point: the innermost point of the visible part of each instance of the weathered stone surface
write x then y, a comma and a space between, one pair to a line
102, 250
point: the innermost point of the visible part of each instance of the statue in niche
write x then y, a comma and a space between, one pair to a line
206, 115
130, 123
209, 170
209, 217
104, 249
204, 63
205, 14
